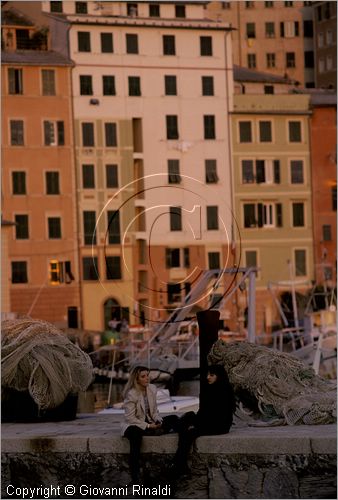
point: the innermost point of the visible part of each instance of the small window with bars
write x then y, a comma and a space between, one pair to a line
211, 176
174, 172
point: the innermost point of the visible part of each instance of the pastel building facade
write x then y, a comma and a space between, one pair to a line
272, 190
38, 182
274, 37
152, 92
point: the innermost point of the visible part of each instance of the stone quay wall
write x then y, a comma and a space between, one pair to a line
89, 455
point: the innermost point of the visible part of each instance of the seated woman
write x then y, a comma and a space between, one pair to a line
142, 416
214, 416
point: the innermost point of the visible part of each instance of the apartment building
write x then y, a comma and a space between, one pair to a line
38, 174
272, 189
152, 87
324, 185
325, 31
274, 37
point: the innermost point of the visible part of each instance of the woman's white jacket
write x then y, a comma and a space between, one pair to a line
134, 409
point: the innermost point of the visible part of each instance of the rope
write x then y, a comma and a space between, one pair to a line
280, 384
39, 358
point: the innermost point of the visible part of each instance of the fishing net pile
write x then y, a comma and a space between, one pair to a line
278, 384
38, 358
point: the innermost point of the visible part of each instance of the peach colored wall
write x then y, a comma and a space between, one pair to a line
324, 178
35, 159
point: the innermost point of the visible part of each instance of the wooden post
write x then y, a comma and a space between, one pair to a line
208, 322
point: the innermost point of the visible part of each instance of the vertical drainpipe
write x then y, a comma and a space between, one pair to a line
76, 197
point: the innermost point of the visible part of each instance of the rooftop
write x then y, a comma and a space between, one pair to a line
35, 57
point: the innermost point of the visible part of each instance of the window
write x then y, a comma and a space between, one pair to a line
174, 293
321, 40
88, 134
298, 214
270, 60
329, 62
170, 85
54, 228
295, 131
212, 217
268, 4
174, 172
297, 172
131, 43
90, 268
327, 235
16, 128
89, 233
54, 133
207, 85
83, 41
48, 82
265, 131
56, 7
249, 5
214, 260
114, 232
290, 60
19, 182
329, 37
107, 43
134, 85
309, 60
334, 197
245, 134
289, 29
179, 10
250, 30
288, 4
209, 127
110, 135
88, 177
261, 171
308, 28
132, 9
251, 60
250, 258
269, 89
211, 176
15, 84
52, 183
319, 13
226, 5
270, 30
173, 257
262, 215
111, 176
86, 87
169, 45
113, 268
300, 262
21, 227
206, 45
172, 127
19, 272
175, 219
108, 84
154, 10
81, 7
22, 39
321, 67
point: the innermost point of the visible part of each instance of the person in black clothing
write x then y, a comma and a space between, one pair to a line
213, 417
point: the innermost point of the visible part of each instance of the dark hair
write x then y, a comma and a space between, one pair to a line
220, 372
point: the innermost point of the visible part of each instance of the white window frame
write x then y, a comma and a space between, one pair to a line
268, 170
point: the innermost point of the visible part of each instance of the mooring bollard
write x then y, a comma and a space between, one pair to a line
208, 322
